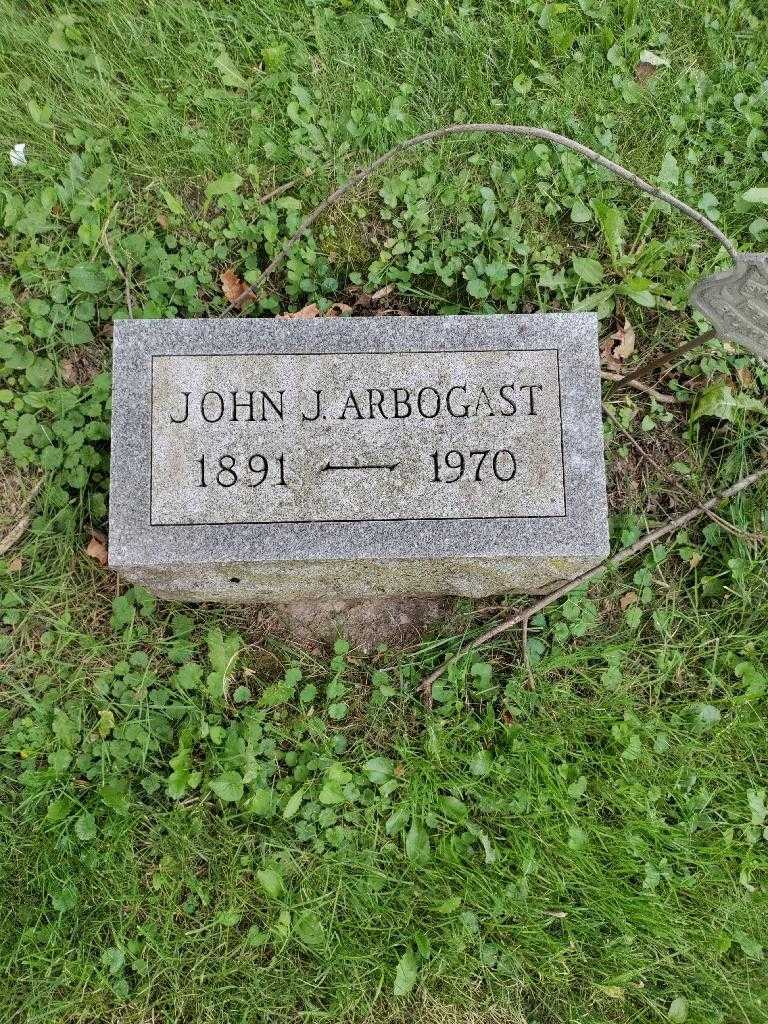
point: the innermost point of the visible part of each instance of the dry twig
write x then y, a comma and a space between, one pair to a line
526, 655
662, 360
618, 378
116, 264
17, 532
746, 535
279, 191
425, 687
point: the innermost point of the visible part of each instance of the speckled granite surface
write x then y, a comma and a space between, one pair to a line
280, 459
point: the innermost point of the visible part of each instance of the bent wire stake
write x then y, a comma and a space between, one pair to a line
735, 301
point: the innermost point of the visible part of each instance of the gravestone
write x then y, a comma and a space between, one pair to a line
284, 459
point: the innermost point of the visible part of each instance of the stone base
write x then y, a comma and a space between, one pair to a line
348, 580
497, 489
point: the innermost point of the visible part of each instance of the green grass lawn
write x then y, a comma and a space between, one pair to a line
202, 822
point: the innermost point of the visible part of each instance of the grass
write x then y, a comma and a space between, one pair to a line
202, 822
600, 859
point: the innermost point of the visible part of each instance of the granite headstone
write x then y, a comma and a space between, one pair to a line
285, 459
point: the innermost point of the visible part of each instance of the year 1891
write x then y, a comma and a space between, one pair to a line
256, 470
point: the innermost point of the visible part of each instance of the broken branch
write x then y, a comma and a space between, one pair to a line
425, 687
17, 532
618, 378
662, 360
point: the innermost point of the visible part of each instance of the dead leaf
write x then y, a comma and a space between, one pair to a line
695, 559
307, 313
625, 341
648, 65
644, 71
617, 347
162, 220
606, 353
16, 564
233, 286
339, 309
97, 550
69, 372
81, 366
360, 299
360, 304
629, 598
745, 376
97, 534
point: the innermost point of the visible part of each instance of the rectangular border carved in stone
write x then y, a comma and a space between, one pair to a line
371, 519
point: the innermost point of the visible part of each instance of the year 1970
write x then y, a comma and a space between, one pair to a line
449, 467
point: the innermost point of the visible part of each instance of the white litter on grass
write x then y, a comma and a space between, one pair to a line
654, 59
18, 155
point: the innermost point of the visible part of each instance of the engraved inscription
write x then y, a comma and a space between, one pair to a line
263, 438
